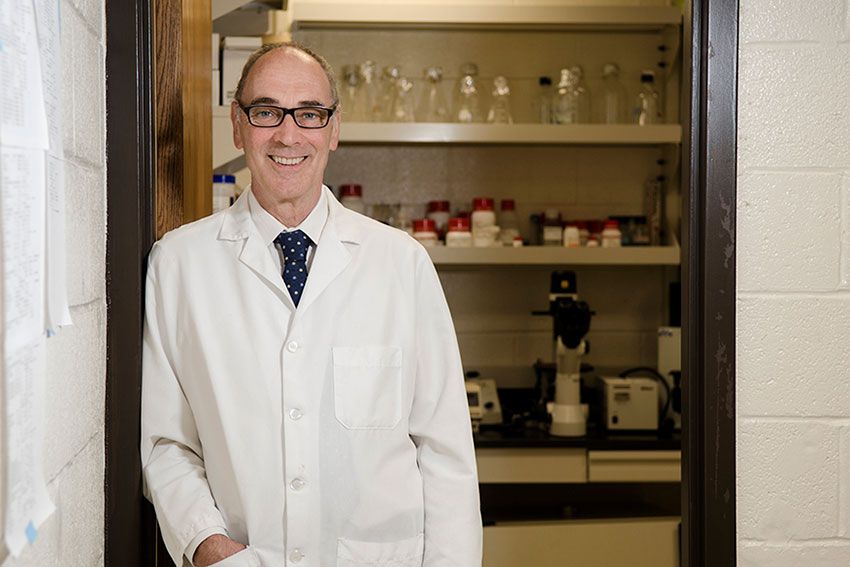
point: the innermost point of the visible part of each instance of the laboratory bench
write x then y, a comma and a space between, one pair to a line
606, 499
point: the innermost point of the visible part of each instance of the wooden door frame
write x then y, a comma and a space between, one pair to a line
708, 276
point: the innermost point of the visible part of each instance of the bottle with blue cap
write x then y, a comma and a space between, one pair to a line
224, 191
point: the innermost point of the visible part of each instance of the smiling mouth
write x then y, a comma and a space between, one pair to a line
287, 161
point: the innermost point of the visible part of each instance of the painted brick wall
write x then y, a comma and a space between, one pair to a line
76, 363
794, 284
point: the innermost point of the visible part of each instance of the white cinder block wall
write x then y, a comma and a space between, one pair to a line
76, 357
793, 284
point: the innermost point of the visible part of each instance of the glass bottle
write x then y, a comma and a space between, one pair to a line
613, 98
432, 104
565, 102
386, 98
467, 98
403, 105
583, 93
647, 104
543, 101
369, 95
500, 109
349, 97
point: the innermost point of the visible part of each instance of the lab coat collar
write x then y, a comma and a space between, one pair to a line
343, 227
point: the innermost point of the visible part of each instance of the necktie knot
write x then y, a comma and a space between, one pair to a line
294, 245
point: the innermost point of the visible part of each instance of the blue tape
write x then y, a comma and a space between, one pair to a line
32, 533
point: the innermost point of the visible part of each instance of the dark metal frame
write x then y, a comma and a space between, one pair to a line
708, 278
129, 530
708, 523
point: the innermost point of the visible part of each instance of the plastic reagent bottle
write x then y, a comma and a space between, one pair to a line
508, 222
543, 104
432, 106
613, 99
647, 103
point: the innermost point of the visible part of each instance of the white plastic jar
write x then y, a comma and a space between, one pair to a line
438, 211
572, 238
611, 235
484, 228
351, 197
224, 191
458, 235
425, 231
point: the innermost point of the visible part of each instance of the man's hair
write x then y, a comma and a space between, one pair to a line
326, 67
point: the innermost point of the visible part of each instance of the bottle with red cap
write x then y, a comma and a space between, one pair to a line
484, 228
611, 235
458, 235
438, 211
351, 197
508, 222
425, 231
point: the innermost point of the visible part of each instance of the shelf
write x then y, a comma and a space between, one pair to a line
321, 14
555, 256
448, 133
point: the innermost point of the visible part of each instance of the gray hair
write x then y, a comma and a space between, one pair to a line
329, 73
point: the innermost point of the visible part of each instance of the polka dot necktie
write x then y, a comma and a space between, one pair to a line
294, 246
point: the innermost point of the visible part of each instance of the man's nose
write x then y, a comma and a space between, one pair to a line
288, 131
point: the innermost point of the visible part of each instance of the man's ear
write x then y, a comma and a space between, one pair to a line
334, 131
236, 120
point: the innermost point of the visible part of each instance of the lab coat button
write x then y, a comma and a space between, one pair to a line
297, 484
296, 555
292, 346
295, 414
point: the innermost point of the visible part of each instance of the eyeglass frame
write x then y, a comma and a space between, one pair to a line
288, 112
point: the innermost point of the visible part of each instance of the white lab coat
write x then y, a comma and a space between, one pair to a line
336, 434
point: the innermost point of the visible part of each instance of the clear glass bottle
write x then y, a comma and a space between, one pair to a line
565, 101
467, 97
349, 97
403, 105
648, 103
500, 108
387, 91
613, 98
369, 93
432, 104
543, 101
583, 93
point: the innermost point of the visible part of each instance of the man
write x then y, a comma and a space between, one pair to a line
303, 400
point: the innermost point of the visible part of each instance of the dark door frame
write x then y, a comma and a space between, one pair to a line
708, 276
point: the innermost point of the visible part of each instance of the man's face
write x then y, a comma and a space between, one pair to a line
286, 78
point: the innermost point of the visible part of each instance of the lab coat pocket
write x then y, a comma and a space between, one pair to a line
367, 386
245, 558
402, 553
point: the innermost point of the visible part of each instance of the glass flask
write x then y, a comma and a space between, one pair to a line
565, 102
647, 104
583, 95
349, 98
467, 97
387, 91
612, 100
403, 105
432, 103
369, 93
500, 109
543, 101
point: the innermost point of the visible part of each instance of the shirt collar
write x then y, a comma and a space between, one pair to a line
269, 227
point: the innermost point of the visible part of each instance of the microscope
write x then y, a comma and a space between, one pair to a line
571, 324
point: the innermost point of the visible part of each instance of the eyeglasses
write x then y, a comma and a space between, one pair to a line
308, 117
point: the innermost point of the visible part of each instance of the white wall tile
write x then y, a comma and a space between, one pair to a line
792, 356
791, 108
788, 476
791, 20
85, 229
75, 386
789, 231
816, 555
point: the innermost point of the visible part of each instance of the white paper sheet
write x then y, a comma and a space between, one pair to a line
49, 34
27, 502
23, 121
22, 227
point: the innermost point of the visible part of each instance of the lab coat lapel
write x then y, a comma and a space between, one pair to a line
332, 256
237, 225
